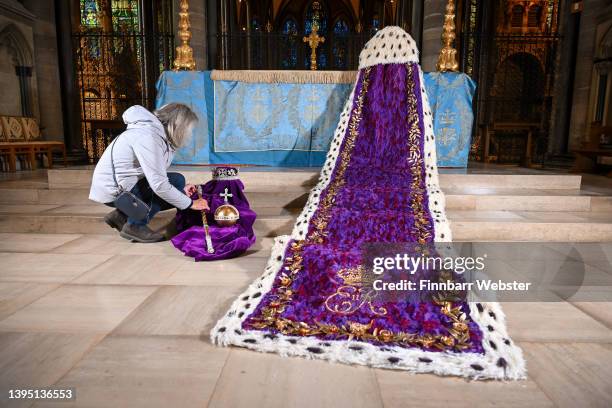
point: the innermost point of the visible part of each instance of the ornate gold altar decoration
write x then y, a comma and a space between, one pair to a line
313, 40
447, 61
184, 53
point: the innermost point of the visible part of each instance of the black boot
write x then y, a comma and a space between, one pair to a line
115, 219
140, 233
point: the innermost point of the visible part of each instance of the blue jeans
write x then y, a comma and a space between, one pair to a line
143, 190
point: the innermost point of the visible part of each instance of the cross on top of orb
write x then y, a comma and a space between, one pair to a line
226, 195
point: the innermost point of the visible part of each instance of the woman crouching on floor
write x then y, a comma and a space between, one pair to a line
141, 156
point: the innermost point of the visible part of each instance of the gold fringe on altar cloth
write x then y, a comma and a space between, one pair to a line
285, 77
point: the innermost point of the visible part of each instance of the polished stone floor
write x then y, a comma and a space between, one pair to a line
126, 325
120, 321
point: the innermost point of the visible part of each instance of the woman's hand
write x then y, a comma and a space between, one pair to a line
200, 205
190, 189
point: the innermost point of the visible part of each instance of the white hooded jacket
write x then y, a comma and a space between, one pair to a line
141, 151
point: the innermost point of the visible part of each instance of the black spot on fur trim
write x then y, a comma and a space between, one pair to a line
247, 305
315, 350
480, 307
252, 341
477, 367
292, 341
237, 332
493, 345
356, 348
490, 328
245, 297
502, 362
240, 314
492, 314
256, 295
394, 360
425, 360
222, 329
270, 336
278, 258
507, 342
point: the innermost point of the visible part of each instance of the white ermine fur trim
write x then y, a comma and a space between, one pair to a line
391, 45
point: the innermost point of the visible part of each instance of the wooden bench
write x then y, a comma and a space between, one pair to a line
21, 136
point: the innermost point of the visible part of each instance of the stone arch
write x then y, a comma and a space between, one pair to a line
604, 50
12, 38
19, 55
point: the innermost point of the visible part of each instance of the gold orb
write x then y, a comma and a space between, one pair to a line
226, 215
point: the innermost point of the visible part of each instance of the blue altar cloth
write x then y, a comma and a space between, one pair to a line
194, 89
293, 124
450, 96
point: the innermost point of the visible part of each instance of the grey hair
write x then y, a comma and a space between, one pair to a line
178, 120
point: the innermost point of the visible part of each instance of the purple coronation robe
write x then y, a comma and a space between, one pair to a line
228, 242
379, 185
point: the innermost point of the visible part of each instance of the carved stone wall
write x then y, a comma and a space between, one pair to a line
595, 13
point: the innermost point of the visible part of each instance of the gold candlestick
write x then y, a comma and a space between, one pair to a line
313, 41
184, 53
447, 61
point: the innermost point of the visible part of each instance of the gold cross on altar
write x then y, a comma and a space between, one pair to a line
313, 41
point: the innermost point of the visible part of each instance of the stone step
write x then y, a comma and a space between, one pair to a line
466, 225
270, 179
288, 201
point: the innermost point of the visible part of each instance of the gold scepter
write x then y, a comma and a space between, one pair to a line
209, 245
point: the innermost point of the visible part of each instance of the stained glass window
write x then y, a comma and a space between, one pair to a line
339, 50
517, 16
534, 16
89, 14
375, 23
125, 15
290, 43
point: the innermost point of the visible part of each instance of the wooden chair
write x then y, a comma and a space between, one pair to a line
21, 136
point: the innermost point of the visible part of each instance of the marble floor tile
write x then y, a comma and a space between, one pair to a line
572, 374
179, 310
95, 244
158, 248
91, 208
460, 215
156, 371
16, 242
402, 389
26, 208
46, 267
15, 295
600, 311
234, 272
78, 309
36, 360
552, 321
268, 380
132, 270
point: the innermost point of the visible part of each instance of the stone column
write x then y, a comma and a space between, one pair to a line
433, 19
569, 26
68, 109
580, 121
